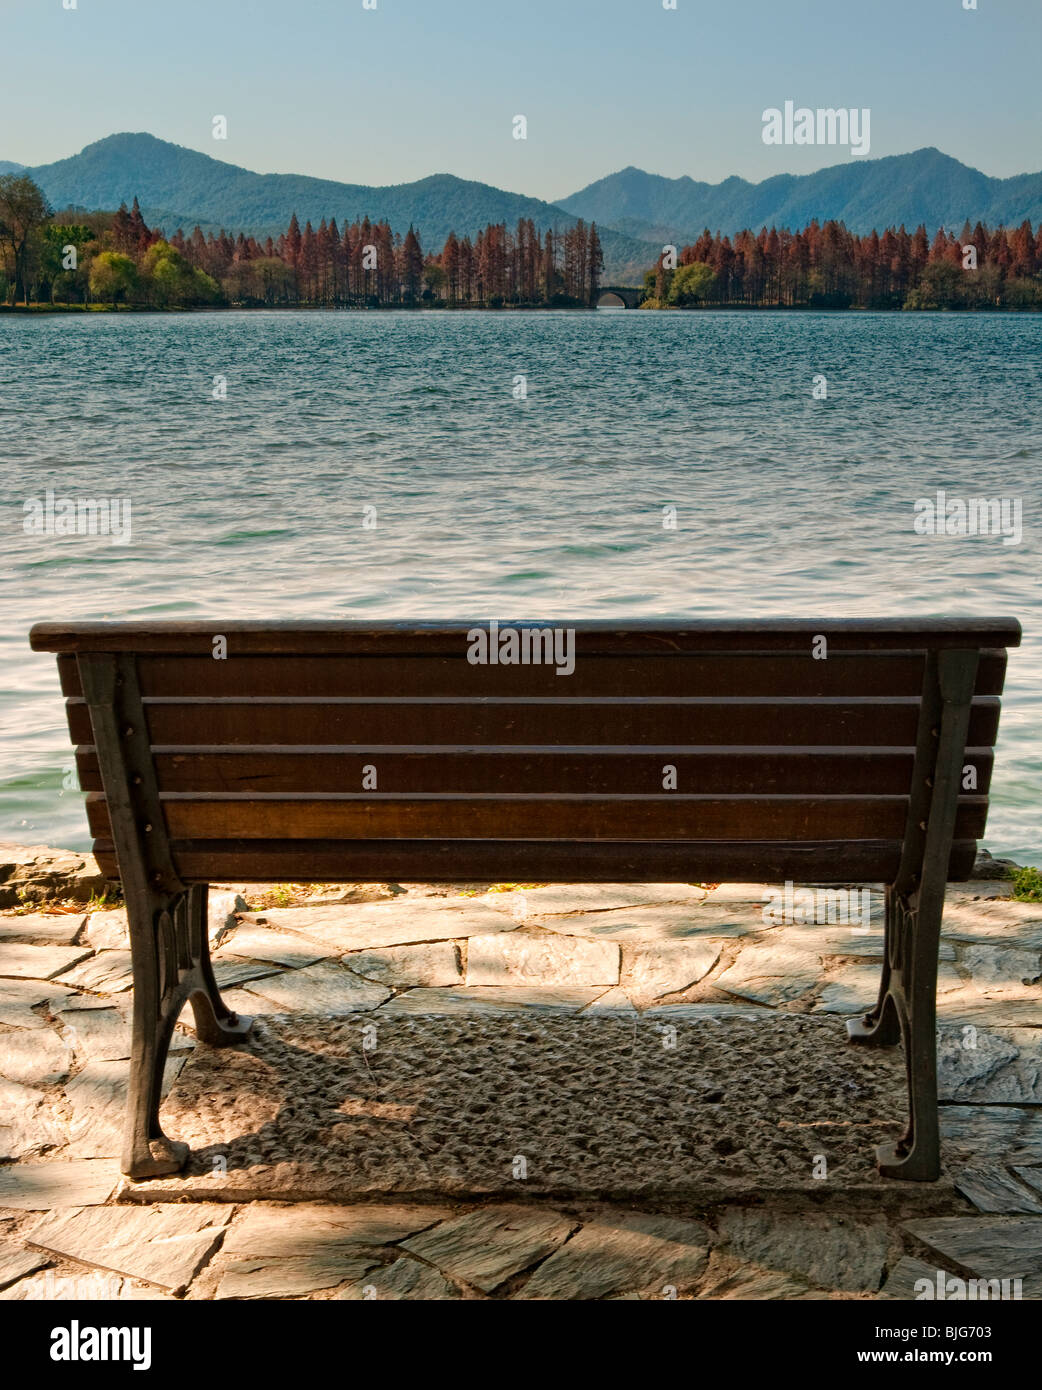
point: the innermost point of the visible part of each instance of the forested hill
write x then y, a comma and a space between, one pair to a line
178, 187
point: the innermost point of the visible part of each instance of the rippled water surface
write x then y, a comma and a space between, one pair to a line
489, 505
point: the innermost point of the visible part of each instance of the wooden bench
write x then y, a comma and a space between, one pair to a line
820, 751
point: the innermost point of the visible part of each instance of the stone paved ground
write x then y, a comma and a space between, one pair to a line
563, 1092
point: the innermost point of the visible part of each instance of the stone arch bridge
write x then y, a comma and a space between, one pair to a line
618, 297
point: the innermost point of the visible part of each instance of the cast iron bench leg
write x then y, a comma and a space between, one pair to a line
906, 1012
171, 967
167, 918
914, 908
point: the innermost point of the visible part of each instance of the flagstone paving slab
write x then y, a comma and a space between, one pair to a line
997, 969
992, 1189
906, 1274
652, 969
109, 972
35, 1058
71, 1002
980, 889
990, 1247
538, 958
103, 1034
108, 931
306, 1230
27, 1122
327, 988
510, 904
431, 964
163, 1245
16, 1262
649, 1254
840, 941
58, 1183
558, 898
744, 892
990, 1067
825, 908
405, 1279
1020, 1009
1003, 924
240, 1001
772, 974
1030, 1175
97, 1097
366, 926
18, 1013
484, 999
250, 942
282, 1251
94, 1286
833, 1252
229, 971
244, 1276
996, 1133
486, 1247
41, 929
18, 998
727, 1278
664, 923
615, 1001
18, 961
854, 988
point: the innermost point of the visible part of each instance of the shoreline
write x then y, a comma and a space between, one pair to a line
31, 310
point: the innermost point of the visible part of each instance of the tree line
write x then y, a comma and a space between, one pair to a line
369, 264
75, 257
102, 258
828, 266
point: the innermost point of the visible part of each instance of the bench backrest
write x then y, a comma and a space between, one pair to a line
640, 751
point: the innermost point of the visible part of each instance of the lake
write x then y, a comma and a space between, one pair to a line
519, 465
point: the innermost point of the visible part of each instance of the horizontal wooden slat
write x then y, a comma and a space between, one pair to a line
783, 674
793, 771
519, 861
551, 817
542, 723
605, 637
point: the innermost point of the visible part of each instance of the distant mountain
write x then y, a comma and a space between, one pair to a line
178, 187
926, 186
8, 167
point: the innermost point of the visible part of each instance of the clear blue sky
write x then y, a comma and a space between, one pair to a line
425, 86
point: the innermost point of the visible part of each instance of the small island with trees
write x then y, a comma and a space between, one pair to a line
82, 261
